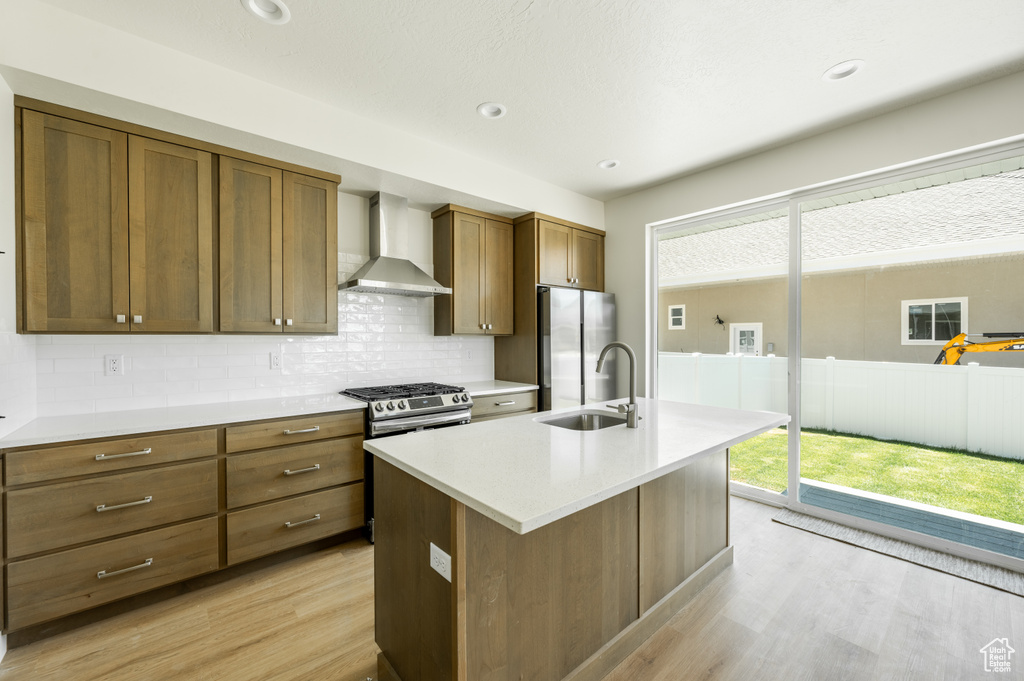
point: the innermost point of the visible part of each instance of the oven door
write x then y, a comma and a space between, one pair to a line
408, 423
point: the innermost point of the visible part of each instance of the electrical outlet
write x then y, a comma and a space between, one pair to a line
441, 562
275, 359
113, 365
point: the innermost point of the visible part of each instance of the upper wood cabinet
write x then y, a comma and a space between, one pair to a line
473, 255
74, 225
170, 237
569, 256
118, 231
278, 250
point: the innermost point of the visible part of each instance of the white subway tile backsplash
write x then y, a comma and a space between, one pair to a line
381, 339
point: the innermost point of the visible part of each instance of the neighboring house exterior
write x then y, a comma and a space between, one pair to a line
876, 272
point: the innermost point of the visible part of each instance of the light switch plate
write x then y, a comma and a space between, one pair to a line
441, 562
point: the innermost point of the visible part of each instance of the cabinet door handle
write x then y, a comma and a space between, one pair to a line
103, 574
505, 404
120, 319
304, 430
303, 522
104, 457
288, 322
314, 467
137, 319
277, 321
103, 507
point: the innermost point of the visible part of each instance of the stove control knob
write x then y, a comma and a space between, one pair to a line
378, 407
465, 397
391, 406
401, 405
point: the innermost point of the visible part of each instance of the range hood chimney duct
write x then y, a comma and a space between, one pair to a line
389, 271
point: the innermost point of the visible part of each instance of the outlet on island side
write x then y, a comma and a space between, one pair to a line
441, 562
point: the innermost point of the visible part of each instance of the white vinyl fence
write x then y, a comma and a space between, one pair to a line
980, 409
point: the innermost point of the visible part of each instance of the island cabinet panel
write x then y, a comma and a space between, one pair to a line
62, 514
684, 524
41, 589
540, 604
412, 602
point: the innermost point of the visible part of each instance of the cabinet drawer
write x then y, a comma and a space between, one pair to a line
41, 589
258, 531
275, 473
105, 456
293, 431
500, 405
54, 516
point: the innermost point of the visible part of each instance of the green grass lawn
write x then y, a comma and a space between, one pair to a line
973, 483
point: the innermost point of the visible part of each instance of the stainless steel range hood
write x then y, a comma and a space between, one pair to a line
389, 271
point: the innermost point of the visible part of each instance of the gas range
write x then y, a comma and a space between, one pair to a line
394, 409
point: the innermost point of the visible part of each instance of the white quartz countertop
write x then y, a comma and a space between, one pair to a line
525, 474
50, 429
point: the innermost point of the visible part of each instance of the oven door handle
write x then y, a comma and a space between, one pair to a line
413, 422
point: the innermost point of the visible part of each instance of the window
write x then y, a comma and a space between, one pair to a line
933, 322
676, 317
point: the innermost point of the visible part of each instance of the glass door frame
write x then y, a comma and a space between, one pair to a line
909, 172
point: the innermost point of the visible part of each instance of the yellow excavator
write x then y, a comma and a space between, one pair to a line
953, 350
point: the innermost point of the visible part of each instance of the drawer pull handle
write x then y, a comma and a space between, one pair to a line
505, 404
104, 457
103, 507
304, 430
314, 467
303, 522
103, 574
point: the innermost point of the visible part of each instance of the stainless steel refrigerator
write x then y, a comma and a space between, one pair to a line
574, 327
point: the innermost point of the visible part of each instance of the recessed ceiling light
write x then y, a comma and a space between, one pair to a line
843, 69
491, 110
270, 11
608, 164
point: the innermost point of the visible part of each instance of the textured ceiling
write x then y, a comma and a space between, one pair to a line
665, 86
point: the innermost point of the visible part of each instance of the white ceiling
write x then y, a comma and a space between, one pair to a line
665, 86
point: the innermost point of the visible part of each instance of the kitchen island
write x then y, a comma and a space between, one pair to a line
563, 549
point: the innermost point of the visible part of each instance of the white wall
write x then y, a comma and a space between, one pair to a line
41, 41
381, 339
17, 353
964, 118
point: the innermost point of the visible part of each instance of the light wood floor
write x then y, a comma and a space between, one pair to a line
793, 606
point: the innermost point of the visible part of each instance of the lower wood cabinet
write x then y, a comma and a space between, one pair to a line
91, 522
488, 407
59, 515
274, 527
41, 589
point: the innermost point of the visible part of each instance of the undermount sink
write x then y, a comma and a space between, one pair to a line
585, 420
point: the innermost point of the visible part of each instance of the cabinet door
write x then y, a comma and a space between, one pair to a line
250, 247
310, 251
75, 222
171, 237
588, 260
468, 241
498, 277
554, 254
